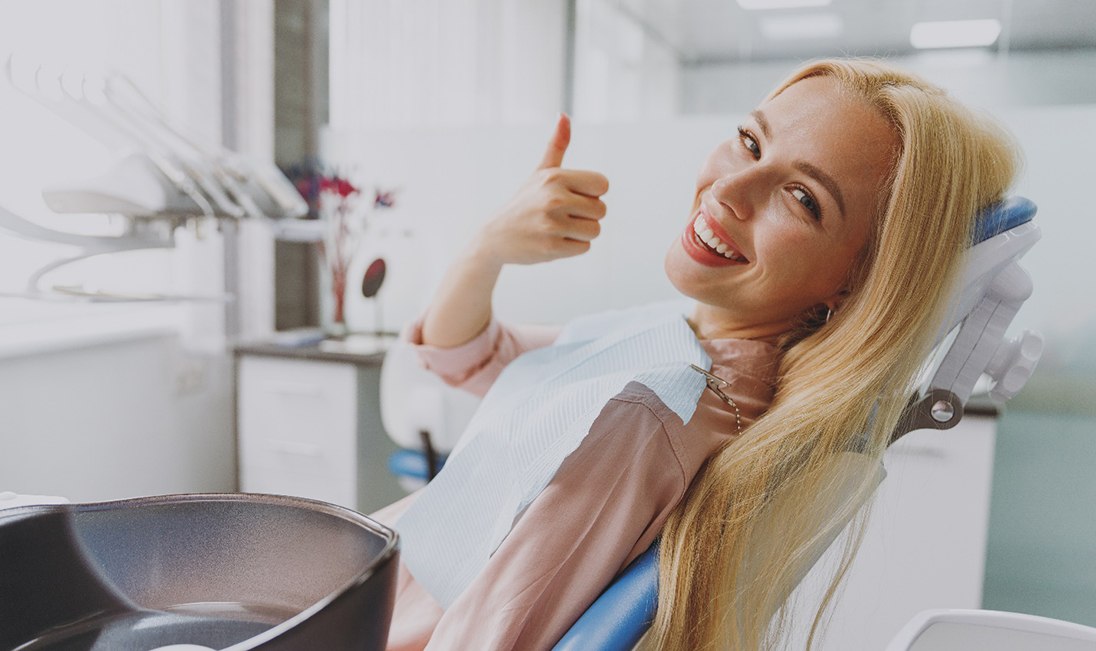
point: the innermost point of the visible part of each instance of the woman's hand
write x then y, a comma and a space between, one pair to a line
554, 215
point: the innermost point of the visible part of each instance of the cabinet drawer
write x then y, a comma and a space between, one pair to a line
297, 417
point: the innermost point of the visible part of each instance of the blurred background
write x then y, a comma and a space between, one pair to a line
119, 371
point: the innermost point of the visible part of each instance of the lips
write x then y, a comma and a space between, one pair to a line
708, 243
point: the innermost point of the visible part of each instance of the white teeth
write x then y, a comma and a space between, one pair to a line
707, 236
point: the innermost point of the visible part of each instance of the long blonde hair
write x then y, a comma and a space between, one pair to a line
841, 386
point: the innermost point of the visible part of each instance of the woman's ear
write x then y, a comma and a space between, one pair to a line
834, 303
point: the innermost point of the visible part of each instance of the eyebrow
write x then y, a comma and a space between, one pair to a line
810, 170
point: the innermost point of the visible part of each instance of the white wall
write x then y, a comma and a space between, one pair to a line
1057, 142
621, 72
445, 62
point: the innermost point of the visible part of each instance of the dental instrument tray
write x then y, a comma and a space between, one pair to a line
199, 571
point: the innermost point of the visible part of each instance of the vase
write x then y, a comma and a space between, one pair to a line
336, 326
333, 303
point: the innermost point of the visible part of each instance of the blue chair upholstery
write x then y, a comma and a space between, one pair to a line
1003, 216
625, 610
413, 464
623, 613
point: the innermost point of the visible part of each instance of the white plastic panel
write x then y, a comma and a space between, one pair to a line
952, 636
990, 630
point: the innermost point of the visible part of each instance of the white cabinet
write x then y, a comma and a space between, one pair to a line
311, 428
924, 546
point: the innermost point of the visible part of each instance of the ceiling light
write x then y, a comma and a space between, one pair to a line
801, 26
781, 4
955, 33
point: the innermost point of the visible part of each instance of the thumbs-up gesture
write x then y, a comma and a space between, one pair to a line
554, 215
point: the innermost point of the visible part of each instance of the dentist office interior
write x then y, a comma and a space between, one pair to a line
216, 216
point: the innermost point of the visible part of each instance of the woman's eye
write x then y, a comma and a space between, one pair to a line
749, 142
805, 198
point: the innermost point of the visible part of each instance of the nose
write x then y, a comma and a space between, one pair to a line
738, 193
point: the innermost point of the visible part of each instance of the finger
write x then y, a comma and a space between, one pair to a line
557, 144
591, 184
579, 205
574, 228
581, 229
567, 247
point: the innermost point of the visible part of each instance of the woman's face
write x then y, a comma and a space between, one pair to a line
782, 211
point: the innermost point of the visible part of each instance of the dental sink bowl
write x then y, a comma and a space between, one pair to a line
192, 572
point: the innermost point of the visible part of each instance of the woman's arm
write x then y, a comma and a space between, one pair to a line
554, 215
473, 366
604, 507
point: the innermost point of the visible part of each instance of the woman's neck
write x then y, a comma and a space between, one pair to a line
710, 323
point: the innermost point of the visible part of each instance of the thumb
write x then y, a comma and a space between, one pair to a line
557, 145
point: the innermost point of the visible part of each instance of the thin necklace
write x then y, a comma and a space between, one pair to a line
717, 384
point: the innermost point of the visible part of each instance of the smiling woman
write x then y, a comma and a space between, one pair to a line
820, 248
915, 167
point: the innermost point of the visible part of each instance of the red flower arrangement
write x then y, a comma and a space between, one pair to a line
339, 206
339, 202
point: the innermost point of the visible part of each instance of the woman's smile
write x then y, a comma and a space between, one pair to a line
706, 242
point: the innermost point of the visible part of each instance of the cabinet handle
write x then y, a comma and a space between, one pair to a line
294, 388
295, 448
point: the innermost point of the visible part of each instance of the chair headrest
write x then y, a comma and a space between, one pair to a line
414, 399
1003, 216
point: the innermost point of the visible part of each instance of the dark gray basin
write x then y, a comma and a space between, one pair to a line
231, 571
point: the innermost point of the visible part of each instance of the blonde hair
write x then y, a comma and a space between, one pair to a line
842, 386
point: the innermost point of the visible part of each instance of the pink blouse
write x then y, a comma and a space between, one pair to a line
604, 507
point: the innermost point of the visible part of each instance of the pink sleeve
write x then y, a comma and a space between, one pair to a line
474, 366
604, 507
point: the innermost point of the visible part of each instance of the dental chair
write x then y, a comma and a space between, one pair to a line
971, 343
417, 408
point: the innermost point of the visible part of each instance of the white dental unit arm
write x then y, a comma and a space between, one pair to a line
161, 180
991, 291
